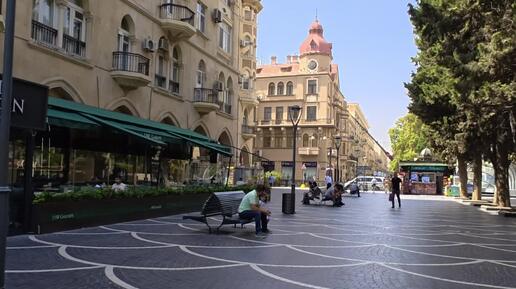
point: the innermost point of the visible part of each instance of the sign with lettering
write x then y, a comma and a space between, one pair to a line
29, 109
310, 164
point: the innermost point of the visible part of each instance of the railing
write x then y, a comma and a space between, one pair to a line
173, 87
278, 121
130, 62
43, 33
177, 12
265, 122
246, 129
205, 95
160, 81
74, 46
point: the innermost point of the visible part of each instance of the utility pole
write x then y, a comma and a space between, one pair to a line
5, 124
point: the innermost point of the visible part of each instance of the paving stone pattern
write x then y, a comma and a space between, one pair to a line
428, 243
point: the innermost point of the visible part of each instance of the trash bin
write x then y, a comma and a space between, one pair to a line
287, 205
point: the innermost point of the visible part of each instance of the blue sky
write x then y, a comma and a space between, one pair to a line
372, 43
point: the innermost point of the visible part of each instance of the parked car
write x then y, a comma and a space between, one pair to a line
366, 183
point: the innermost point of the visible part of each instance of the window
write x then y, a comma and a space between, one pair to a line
315, 140
278, 139
174, 73
313, 45
305, 140
74, 22
160, 77
201, 17
272, 88
200, 75
289, 113
248, 15
311, 113
279, 114
43, 12
266, 139
267, 111
312, 86
281, 88
225, 37
289, 132
290, 88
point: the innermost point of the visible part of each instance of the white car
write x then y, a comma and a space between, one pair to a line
367, 183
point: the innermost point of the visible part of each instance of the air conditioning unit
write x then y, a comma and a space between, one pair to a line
163, 44
149, 45
217, 16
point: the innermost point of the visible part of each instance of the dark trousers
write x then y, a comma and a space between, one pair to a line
396, 194
260, 219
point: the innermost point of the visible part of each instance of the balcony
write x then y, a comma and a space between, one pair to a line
205, 100
130, 70
249, 101
248, 132
74, 46
308, 151
44, 34
178, 20
173, 87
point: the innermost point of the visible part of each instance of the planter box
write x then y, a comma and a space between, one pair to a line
67, 215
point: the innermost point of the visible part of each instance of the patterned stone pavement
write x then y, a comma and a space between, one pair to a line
428, 243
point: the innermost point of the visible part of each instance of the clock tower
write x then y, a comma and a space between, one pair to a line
315, 51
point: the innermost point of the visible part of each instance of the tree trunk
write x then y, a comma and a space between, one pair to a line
501, 168
463, 176
477, 178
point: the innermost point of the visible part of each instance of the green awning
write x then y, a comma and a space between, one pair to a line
72, 114
69, 119
116, 126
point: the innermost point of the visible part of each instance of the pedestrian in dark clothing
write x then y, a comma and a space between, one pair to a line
395, 186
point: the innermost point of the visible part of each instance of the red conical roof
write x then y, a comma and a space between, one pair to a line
315, 42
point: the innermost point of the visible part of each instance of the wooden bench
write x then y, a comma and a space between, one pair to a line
223, 204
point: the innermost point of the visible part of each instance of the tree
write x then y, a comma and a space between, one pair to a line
465, 62
408, 138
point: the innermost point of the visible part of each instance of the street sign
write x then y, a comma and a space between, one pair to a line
29, 109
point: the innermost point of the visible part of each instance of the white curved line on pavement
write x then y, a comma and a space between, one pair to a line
52, 270
444, 279
33, 238
204, 246
110, 274
31, 247
270, 275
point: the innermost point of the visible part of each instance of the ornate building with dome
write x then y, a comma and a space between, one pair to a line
311, 81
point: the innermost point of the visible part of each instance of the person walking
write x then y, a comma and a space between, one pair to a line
395, 186
250, 209
328, 181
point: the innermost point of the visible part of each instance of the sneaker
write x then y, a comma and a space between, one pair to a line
260, 235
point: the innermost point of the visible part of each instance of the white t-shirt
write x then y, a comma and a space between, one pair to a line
118, 187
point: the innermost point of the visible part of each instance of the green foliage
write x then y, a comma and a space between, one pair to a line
408, 138
91, 193
277, 177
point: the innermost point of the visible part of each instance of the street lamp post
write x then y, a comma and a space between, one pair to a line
295, 117
338, 141
5, 124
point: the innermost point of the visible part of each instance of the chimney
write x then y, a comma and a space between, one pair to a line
289, 59
295, 59
274, 60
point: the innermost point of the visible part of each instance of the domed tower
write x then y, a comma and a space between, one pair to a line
315, 51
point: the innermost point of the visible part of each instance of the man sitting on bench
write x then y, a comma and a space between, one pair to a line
250, 209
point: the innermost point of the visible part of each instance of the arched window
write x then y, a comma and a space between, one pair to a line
290, 88
174, 73
161, 67
201, 75
228, 97
281, 88
305, 141
315, 140
313, 45
272, 88
124, 34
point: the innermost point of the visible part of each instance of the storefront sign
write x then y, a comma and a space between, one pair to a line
310, 164
29, 108
268, 166
428, 169
287, 164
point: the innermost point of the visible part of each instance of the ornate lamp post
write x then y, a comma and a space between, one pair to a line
295, 117
338, 142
